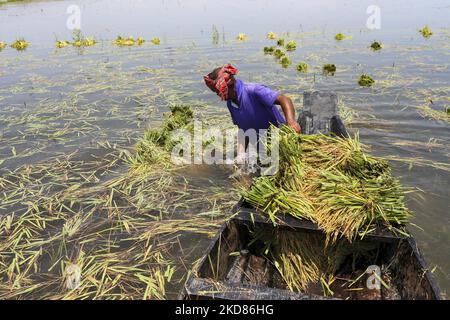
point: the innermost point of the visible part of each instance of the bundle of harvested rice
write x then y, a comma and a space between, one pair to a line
304, 260
154, 147
332, 182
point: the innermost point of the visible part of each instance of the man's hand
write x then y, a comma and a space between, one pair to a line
289, 112
294, 125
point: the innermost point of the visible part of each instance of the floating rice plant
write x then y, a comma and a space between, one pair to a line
2, 45
375, 46
285, 61
278, 53
123, 41
20, 44
365, 80
291, 45
341, 36
241, 37
269, 50
130, 41
332, 182
62, 43
89, 42
79, 40
426, 32
329, 69
272, 35
280, 42
302, 67
140, 41
156, 41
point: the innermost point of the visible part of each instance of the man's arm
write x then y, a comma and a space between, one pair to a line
289, 112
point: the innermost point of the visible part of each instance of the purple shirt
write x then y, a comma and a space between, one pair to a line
257, 109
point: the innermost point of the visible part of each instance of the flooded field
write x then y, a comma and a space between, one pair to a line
71, 192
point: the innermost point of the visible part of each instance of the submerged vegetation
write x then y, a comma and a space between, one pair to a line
332, 182
365, 80
426, 32
20, 44
120, 231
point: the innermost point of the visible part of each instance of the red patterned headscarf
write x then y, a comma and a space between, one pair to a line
222, 81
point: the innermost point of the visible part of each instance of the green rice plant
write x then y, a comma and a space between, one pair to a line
304, 259
268, 197
123, 41
340, 37
285, 61
302, 67
280, 42
20, 44
155, 40
365, 80
291, 45
156, 144
140, 41
278, 53
269, 50
350, 207
79, 40
62, 43
375, 46
329, 69
426, 32
333, 182
272, 35
147, 151
130, 41
241, 37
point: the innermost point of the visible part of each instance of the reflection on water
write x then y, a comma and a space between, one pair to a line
55, 102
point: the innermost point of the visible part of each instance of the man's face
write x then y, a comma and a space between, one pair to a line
231, 89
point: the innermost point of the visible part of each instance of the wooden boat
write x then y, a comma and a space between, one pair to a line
233, 269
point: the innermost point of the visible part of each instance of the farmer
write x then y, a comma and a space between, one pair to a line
251, 105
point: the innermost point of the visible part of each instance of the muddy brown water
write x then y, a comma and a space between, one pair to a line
54, 102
